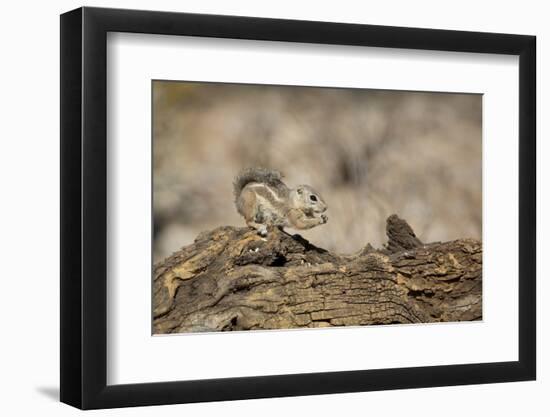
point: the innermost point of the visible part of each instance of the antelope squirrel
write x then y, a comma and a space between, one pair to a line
264, 200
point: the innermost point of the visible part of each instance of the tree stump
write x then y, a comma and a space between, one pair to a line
233, 279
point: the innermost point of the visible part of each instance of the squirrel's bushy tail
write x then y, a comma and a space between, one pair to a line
262, 175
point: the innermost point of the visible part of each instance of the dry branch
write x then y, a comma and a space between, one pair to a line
232, 279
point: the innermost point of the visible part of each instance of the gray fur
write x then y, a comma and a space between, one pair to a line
260, 175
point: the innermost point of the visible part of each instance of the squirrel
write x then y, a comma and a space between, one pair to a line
264, 200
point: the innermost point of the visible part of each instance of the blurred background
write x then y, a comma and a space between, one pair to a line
370, 153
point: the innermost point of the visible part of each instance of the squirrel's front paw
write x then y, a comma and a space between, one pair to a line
324, 218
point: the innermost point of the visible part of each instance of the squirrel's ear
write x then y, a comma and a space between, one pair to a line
300, 190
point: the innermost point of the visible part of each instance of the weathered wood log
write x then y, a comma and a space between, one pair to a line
233, 279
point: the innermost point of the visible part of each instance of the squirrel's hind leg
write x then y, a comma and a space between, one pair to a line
251, 212
261, 228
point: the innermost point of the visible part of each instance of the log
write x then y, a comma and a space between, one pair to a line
232, 279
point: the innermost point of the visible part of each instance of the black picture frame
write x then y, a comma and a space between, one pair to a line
84, 207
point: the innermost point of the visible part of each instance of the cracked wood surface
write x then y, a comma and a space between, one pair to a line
233, 279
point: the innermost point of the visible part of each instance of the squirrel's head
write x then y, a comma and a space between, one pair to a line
307, 199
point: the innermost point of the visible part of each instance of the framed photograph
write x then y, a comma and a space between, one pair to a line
259, 208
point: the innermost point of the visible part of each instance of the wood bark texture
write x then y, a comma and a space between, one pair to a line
233, 279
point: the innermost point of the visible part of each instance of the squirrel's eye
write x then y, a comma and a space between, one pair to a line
313, 198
